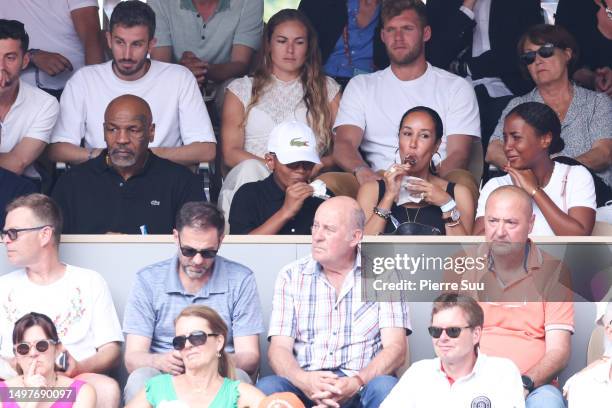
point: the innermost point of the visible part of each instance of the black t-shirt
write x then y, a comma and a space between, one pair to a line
11, 187
95, 199
255, 202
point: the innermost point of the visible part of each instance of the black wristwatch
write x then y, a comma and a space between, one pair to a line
527, 383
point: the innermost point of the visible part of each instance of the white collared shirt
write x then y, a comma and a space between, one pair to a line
493, 383
590, 388
33, 115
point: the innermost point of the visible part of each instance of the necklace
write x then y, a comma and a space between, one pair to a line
415, 215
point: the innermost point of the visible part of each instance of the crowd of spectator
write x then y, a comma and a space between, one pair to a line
338, 119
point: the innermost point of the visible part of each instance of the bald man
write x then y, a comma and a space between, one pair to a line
327, 345
535, 335
127, 189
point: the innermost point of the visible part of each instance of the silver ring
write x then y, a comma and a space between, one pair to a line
423, 195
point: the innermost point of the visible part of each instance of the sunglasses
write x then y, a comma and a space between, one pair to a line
196, 338
13, 233
191, 252
41, 346
545, 51
452, 332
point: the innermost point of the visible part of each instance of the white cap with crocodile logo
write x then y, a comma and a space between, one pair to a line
293, 142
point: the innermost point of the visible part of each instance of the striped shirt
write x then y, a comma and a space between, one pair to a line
330, 331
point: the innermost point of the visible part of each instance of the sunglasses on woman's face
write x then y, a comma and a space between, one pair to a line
452, 332
196, 338
41, 346
545, 51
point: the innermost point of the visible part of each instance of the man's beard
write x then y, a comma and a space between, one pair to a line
122, 161
409, 58
195, 274
132, 70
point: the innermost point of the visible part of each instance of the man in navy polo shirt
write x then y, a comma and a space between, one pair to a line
126, 189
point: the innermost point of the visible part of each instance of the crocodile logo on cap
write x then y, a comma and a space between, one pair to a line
298, 143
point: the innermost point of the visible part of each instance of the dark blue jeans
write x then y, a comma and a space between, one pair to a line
371, 396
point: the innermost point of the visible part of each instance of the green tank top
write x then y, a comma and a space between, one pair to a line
161, 394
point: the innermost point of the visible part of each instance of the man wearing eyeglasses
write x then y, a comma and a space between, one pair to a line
78, 300
127, 189
196, 275
283, 203
327, 345
460, 375
536, 335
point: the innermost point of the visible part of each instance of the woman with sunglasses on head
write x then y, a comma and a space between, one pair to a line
200, 339
37, 348
564, 196
548, 54
435, 205
289, 84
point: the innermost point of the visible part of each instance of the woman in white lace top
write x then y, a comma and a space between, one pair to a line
289, 84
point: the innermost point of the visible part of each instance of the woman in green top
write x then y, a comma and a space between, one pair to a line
200, 339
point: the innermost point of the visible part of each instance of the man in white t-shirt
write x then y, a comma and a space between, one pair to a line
372, 105
460, 375
64, 36
27, 114
183, 133
74, 298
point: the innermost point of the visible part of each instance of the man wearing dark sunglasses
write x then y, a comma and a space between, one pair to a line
77, 299
196, 275
460, 375
283, 203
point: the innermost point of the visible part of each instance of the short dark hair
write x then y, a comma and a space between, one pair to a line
133, 13
437, 120
44, 208
14, 30
393, 8
543, 120
30, 320
472, 310
34, 319
200, 215
558, 36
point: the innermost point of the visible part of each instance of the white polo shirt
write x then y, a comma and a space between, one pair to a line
493, 383
171, 91
32, 115
590, 388
376, 102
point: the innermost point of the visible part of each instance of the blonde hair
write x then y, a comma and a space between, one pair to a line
217, 325
314, 81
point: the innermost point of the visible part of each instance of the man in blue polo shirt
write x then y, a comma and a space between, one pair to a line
196, 275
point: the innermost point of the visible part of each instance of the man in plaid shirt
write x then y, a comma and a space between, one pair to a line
326, 345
